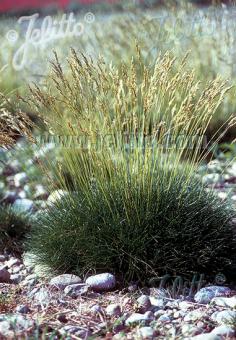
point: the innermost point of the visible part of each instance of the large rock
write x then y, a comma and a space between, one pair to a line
4, 275
61, 281
206, 294
101, 282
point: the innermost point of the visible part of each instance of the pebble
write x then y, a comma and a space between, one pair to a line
189, 329
113, 310
23, 309
206, 294
20, 179
56, 195
23, 205
16, 278
164, 318
4, 328
144, 303
206, 336
76, 290
224, 331
194, 316
146, 333
4, 275
101, 282
13, 262
224, 317
96, 309
42, 297
137, 318
225, 302
2, 258
61, 281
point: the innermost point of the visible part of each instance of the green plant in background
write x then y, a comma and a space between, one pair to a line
13, 228
133, 205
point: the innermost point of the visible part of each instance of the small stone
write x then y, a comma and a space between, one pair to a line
3, 258
136, 318
61, 281
56, 196
157, 302
42, 297
225, 302
158, 313
164, 318
206, 336
101, 282
4, 328
225, 317
13, 262
193, 316
185, 305
23, 205
76, 290
144, 303
16, 278
224, 331
20, 179
23, 309
206, 294
190, 330
96, 309
10, 197
4, 275
113, 310
146, 333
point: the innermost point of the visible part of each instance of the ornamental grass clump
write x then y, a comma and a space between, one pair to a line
130, 141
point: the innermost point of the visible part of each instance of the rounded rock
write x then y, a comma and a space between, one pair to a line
61, 281
144, 303
101, 282
113, 310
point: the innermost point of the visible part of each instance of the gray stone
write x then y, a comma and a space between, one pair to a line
96, 309
137, 318
13, 262
193, 316
190, 330
224, 317
20, 179
76, 290
146, 333
79, 332
225, 302
158, 313
61, 281
23, 205
144, 303
101, 282
16, 278
42, 297
206, 336
113, 310
23, 309
224, 331
164, 318
157, 302
206, 294
5, 328
3, 258
4, 275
